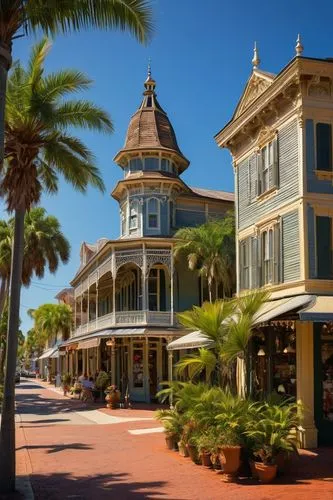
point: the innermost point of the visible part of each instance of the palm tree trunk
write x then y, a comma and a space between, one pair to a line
7, 436
3, 294
210, 290
5, 63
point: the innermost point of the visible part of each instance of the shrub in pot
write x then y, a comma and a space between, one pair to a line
66, 382
172, 422
102, 382
182, 448
230, 444
208, 447
112, 397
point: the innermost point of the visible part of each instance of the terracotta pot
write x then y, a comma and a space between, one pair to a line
170, 442
193, 452
205, 459
183, 451
112, 399
230, 460
266, 473
283, 462
66, 389
253, 469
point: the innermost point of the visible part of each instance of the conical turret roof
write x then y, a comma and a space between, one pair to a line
150, 127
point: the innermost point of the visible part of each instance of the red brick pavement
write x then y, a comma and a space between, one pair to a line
105, 461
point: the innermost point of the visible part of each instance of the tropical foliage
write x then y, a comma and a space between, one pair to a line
52, 321
210, 250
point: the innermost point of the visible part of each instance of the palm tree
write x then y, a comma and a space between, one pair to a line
229, 326
19, 17
39, 147
210, 249
50, 321
44, 246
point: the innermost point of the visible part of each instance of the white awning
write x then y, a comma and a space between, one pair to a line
268, 311
192, 340
320, 310
88, 344
49, 353
275, 308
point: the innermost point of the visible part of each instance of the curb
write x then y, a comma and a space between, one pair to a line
23, 483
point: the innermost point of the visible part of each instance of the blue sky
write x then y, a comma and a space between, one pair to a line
201, 59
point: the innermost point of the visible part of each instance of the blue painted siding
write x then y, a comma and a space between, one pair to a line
314, 185
291, 266
164, 218
252, 211
187, 287
311, 241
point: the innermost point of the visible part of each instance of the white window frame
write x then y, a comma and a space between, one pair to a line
157, 213
134, 205
267, 165
123, 219
267, 239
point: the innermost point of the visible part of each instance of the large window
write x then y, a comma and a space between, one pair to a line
267, 167
135, 164
324, 146
153, 214
156, 290
152, 163
324, 247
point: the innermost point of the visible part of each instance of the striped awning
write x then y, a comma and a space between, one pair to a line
49, 353
88, 344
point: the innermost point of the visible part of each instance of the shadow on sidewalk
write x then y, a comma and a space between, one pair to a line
115, 486
54, 448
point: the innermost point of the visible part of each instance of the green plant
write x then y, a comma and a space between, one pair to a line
208, 441
172, 421
273, 430
102, 381
66, 379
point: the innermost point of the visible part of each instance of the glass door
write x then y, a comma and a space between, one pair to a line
137, 392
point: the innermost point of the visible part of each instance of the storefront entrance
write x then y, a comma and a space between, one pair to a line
323, 370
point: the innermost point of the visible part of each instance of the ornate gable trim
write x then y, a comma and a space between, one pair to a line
256, 85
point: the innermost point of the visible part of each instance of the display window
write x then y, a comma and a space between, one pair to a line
327, 370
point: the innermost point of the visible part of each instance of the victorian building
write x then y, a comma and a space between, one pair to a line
127, 291
280, 138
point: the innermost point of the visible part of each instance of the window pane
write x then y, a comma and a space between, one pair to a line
151, 163
152, 205
165, 165
135, 164
324, 146
324, 247
152, 220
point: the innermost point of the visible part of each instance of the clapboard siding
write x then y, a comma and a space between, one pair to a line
189, 218
251, 212
311, 241
314, 185
291, 267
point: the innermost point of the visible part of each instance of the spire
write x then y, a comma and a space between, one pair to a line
299, 47
255, 60
150, 83
149, 68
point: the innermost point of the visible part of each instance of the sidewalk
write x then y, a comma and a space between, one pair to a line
128, 459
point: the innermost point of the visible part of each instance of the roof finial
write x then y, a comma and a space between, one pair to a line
149, 67
255, 60
299, 47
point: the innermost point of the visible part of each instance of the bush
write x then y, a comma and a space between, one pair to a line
102, 381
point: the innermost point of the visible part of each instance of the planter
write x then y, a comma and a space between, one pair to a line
283, 462
66, 389
205, 459
183, 451
253, 469
193, 453
230, 460
112, 399
170, 442
266, 473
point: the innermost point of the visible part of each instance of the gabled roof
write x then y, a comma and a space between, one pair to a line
258, 82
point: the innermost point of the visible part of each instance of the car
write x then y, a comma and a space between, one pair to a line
17, 378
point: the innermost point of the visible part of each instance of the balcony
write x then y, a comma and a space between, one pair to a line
127, 319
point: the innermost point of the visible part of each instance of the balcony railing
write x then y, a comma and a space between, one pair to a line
127, 318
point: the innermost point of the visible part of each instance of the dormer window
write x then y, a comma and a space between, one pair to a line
153, 213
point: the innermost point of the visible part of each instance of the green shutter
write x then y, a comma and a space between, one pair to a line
259, 174
324, 247
276, 162
254, 263
241, 268
276, 254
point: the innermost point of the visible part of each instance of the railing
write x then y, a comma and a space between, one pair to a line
126, 318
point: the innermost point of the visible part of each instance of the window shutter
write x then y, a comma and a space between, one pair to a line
254, 263
276, 254
259, 261
276, 162
259, 174
241, 267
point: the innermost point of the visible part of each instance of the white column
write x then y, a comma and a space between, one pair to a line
171, 286
81, 322
75, 313
170, 373
144, 281
305, 381
88, 303
113, 361
97, 303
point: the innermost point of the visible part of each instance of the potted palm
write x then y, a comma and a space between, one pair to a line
207, 447
66, 382
172, 422
230, 445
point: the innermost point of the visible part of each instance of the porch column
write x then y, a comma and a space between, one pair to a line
96, 303
81, 322
113, 361
171, 287
88, 305
305, 381
77, 363
170, 374
75, 313
144, 281
98, 350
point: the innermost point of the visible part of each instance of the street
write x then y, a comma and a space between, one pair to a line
71, 450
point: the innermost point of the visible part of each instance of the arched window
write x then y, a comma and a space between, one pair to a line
153, 213
133, 216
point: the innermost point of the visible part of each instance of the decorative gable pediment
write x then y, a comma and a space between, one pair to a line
256, 85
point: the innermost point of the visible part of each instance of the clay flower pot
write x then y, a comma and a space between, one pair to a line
112, 399
170, 442
266, 473
205, 459
66, 389
253, 469
230, 460
183, 451
193, 452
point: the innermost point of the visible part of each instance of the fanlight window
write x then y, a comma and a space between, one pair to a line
153, 213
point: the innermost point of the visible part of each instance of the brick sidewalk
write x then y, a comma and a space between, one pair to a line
106, 461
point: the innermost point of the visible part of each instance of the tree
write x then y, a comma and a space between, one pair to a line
228, 326
50, 321
210, 249
39, 147
45, 245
